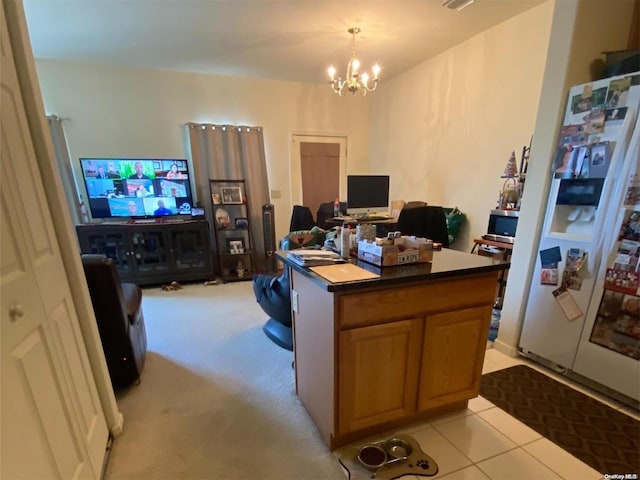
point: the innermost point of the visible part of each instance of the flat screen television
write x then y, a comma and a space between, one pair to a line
367, 194
137, 187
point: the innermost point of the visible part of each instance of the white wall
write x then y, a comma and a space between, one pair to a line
115, 111
445, 129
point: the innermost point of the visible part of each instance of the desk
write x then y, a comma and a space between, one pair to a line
372, 355
382, 226
506, 249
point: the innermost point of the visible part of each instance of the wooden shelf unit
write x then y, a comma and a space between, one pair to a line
232, 228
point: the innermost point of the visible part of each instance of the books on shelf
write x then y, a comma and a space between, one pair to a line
311, 258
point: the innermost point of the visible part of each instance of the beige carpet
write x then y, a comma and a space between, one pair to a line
217, 398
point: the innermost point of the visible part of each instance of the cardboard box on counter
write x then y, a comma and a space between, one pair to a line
398, 251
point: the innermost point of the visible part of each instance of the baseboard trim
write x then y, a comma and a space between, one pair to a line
505, 348
584, 381
117, 428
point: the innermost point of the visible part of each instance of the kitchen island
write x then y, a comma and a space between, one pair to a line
373, 355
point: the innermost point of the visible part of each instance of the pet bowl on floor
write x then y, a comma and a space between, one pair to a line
398, 448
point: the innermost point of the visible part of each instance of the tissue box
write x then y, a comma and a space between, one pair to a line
399, 251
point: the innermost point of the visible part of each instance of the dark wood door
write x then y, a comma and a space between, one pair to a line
320, 170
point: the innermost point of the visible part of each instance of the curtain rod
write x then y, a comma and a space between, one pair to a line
215, 126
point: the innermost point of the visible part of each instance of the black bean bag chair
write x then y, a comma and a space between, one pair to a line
274, 297
273, 292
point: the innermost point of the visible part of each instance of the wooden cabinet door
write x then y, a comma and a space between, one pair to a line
453, 352
378, 372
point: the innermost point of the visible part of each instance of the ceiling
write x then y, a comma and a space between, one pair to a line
293, 40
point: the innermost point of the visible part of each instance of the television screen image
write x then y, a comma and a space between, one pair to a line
173, 188
137, 169
140, 188
97, 187
112, 182
160, 206
184, 208
126, 207
171, 169
102, 169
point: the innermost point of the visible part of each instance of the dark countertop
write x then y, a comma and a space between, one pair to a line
446, 263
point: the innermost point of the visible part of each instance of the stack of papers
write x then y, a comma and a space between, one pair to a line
310, 258
344, 273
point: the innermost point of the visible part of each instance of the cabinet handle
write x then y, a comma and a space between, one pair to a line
16, 312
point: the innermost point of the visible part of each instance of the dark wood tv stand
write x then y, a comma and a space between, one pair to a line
152, 253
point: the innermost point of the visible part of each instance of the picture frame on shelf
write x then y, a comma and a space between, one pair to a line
241, 222
231, 195
235, 245
222, 218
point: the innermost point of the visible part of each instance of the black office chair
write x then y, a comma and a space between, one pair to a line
428, 222
301, 219
325, 212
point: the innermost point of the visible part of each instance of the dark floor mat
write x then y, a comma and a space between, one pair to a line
600, 436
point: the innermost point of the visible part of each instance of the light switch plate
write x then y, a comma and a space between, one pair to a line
294, 301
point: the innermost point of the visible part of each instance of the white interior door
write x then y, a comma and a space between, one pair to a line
53, 425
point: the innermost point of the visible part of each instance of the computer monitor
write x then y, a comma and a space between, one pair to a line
367, 194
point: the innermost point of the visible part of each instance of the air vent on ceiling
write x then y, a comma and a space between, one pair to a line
456, 4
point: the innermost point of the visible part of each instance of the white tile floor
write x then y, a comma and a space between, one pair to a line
483, 442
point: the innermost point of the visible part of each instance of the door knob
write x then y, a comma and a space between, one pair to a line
16, 311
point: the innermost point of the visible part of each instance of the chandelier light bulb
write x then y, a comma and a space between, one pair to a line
353, 82
376, 71
355, 65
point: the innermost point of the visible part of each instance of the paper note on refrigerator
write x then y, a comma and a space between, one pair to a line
567, 303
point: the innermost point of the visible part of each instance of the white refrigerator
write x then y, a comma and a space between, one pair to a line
583, 310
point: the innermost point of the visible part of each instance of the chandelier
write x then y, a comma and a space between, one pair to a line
354, 81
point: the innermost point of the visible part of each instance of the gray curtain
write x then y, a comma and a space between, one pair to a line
63, 159
232, 152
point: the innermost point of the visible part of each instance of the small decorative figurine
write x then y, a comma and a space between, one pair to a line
240, 270
511, 169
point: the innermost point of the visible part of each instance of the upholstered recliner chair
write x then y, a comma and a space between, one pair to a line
273, 292
118, 311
